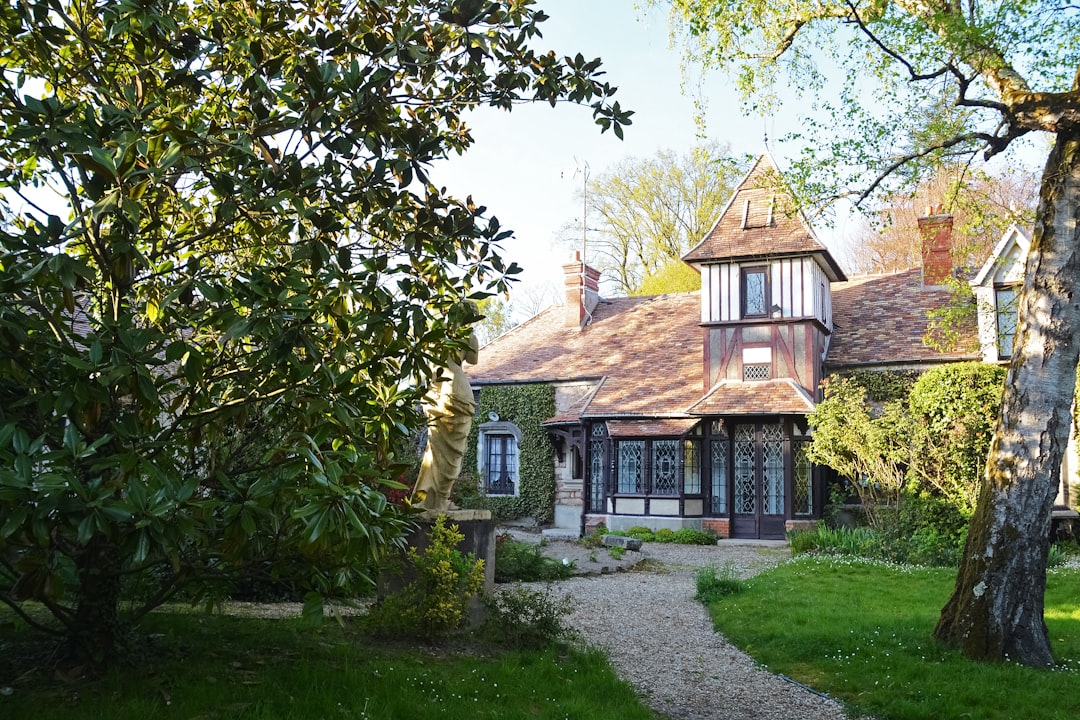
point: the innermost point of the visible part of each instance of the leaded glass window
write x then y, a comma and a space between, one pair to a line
665, 467
1005, 299
772, 477
596, 468
719, 476
803, 502
755, 292
745, 495
631, 467
761, 371
692, 467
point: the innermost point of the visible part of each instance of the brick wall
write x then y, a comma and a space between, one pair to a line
719, 526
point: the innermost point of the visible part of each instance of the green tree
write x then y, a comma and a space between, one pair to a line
866, 447
648, 212
953, 410
226, 277
926, 81
672, 277
495, 318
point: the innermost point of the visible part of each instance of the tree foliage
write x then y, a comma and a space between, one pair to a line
648, 212
954, 410
923, 83
983, 207
227, 275
866, 446
933, 438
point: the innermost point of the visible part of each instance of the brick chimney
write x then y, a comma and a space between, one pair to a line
936, 230
582, 291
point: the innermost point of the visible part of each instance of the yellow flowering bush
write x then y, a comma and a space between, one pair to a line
436, 601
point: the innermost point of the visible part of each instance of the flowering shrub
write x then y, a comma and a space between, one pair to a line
436, 602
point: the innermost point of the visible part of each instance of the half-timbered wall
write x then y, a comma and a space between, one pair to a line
798, 286
783, 349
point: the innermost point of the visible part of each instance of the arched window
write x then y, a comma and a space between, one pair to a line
497, 457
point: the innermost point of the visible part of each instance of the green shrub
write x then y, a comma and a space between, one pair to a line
436, 601
682, 536
616, 552
714, 583
526, 562
526, 619
803, 542
858, 542
690, 536
954, 411
640, 532
664, 535
595, 539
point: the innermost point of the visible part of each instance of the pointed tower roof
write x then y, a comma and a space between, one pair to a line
762, 220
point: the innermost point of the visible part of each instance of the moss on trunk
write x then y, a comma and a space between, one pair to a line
996, 609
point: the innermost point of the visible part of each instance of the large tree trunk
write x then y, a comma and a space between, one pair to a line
95, 632
996, 610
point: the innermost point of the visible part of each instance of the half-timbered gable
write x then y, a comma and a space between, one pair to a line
689, 410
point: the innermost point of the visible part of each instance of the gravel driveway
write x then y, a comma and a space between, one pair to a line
661, 640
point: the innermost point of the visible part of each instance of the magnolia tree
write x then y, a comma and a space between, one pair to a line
226, 276
926, 80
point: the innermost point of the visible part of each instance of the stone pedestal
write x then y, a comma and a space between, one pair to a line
479, 530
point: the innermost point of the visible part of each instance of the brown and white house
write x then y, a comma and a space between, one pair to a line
689, 410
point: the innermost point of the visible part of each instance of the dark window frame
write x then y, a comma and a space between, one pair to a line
766, 300
501, 480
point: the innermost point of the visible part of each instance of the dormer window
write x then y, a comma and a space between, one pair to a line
755, 292
1005, 317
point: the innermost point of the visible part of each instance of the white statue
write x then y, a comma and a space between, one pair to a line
449, 408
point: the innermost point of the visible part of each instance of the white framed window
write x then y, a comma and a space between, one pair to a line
497, 457
1005, 314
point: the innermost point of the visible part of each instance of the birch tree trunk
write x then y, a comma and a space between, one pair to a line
996, 609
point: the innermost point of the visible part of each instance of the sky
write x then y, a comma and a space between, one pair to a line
526, 165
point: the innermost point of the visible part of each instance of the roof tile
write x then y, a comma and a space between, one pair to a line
883, 318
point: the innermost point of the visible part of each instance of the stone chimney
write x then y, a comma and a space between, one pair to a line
936, 230
582, 291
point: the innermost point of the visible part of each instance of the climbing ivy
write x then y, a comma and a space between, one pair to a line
527, 406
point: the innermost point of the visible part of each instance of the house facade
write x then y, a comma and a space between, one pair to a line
689, 410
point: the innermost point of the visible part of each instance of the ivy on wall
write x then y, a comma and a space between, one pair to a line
527, 406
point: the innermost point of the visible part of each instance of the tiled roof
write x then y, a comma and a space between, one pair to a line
772, 226
882, 319
758, 397
648, 350
649, 428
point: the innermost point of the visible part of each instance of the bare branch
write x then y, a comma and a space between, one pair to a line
905, 159
912, 73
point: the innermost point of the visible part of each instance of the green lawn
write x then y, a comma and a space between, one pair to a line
211, 667
861, 631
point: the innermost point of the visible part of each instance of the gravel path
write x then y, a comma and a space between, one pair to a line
662, 642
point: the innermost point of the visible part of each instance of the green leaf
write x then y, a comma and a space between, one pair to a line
313, 611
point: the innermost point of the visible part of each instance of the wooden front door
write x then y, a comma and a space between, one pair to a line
758, 473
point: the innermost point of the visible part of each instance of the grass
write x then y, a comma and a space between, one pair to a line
714, 583
517, 561
228, 668
862, 632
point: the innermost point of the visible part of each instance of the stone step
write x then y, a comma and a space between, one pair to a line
560, 533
